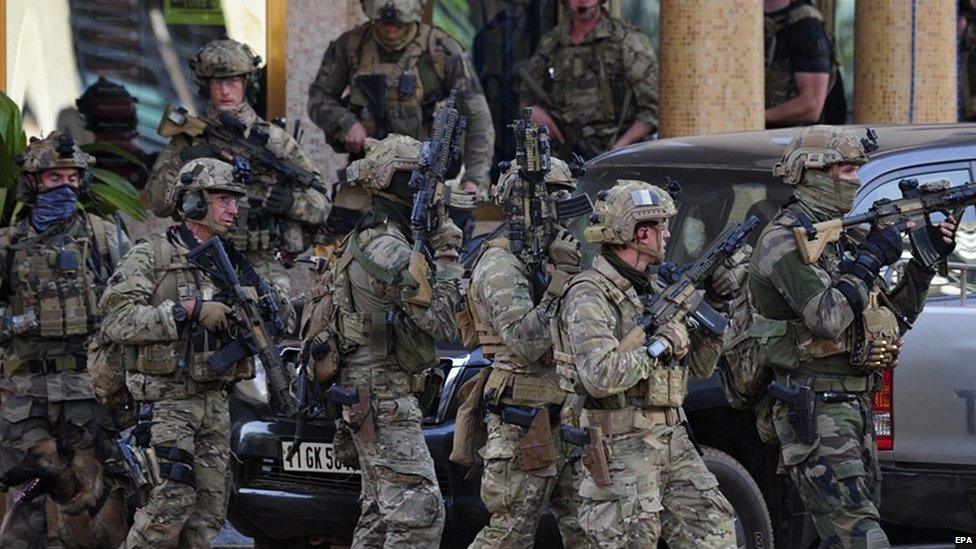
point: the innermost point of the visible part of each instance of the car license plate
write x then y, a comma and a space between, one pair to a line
314, 457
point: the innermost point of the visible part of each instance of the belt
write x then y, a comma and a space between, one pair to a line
618, 422
51, 366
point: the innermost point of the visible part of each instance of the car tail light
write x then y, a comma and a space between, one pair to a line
884, 421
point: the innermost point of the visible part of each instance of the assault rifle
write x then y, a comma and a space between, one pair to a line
532, 214
573, 132
226, 136
253, 334
917, 204
437, 155
681, 297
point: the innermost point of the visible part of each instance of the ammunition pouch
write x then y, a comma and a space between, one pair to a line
65, 364
877, 327
788, 344
361, 417
412, 349
176, 464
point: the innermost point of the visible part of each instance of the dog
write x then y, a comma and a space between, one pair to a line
93, 510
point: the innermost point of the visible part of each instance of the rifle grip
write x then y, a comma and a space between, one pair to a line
634, 339
419, 269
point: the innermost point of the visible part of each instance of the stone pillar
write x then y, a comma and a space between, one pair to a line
904, 61
711, 75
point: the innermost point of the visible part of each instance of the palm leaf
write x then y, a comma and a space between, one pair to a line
113, 192
102, 147
12, 142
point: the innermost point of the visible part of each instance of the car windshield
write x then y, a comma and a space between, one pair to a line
710, 200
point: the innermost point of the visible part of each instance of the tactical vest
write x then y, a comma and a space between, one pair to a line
791, 349
780, 82
665, 386
382, 350
588, 83
412, 79
177, 281
57, 278
513, 379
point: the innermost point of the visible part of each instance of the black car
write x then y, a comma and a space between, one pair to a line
724, 178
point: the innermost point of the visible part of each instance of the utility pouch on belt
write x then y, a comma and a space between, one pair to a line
595, 456
360, 407
536, 446
874, 338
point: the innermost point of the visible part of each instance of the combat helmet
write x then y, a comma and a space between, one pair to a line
620, 209
198, 178
559, 178
394, 157
223, 58
818, 148
393, 11
57, 150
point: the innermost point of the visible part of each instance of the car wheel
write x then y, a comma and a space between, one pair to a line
753, 528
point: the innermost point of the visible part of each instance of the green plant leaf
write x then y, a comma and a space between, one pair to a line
113, 192
101, 146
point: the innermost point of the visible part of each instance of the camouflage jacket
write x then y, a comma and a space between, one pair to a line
784, 288
18, 263
310, 209
512, 330
437, 64
597, 311
138, 309
373, 359
589, 82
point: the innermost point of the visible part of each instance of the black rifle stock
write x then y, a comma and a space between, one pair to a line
437, 155
253, 333
681, 297
572, 131
226, 136
917, 204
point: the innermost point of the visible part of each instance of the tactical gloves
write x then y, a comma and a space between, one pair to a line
729, 275
280, 200
445, 241
676, 333
882, 247
214, 315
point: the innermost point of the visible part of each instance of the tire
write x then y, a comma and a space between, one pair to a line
753, 528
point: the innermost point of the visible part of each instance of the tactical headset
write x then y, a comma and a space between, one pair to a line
193, 205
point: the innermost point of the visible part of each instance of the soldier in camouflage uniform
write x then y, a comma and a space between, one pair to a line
600, 73
159, 308
658, 484
513, 331
57, 251
413, 66
386, 342
821, 306
285, 218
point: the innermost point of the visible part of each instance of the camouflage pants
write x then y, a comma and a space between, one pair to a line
176, 514
660, 487
401, 504
517, 498
838, 476
24, 421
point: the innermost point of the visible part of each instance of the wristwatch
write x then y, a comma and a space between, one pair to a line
179, 314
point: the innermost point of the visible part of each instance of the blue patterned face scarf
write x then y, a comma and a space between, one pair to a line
53, 206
